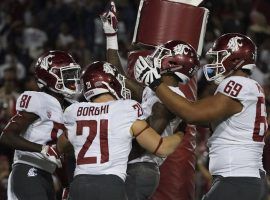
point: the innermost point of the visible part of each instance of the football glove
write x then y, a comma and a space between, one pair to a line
109, 19
51, 154
146, 71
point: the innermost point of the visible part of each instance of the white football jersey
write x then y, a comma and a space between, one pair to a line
149, 98
44, 130
236, 146
100, 134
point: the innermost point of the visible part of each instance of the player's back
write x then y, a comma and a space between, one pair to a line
100, 134
236, 145
44, 130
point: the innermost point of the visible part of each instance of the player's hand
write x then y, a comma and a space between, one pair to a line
147, 71
51, 154
109, 19
65, 193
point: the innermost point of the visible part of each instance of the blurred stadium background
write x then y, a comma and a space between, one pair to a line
30, 27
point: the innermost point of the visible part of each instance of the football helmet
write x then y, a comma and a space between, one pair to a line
57, 71
176, 57
230, 52
102, 77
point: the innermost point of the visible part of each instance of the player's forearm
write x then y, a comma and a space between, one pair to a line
15, 141
158, 125
114, 59
178, 105
160, 117
169, 144
135, 88
63, 144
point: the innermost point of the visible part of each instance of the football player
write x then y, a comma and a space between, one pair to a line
236, 112
37, 124
101, 133
143, 167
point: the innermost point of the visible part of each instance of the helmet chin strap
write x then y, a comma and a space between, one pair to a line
111, 90
218, 80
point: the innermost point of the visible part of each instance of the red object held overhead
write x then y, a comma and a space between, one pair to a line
159, 21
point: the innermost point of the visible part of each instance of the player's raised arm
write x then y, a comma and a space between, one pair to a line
149, 139
110, 27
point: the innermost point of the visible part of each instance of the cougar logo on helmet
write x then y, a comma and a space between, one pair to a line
108, 69
181, 49
234, 43
45, 62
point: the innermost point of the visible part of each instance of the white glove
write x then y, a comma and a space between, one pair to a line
146, 72
50, 153
109, 20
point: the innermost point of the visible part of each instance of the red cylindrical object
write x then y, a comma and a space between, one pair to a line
159, 21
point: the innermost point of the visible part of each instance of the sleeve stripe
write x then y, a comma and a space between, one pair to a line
147, 126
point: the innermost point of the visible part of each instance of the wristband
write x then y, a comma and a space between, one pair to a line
159, 144
112, 42
155, 84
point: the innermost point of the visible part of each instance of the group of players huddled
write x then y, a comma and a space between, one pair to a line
119, 113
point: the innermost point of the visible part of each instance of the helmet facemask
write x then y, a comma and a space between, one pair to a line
68, 81
215, 71
163, 55
125, 92
160, 52
157, 56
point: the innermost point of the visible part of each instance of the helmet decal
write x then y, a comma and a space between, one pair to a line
108, 69
88, 85
234, 43
45, 62
181, 49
